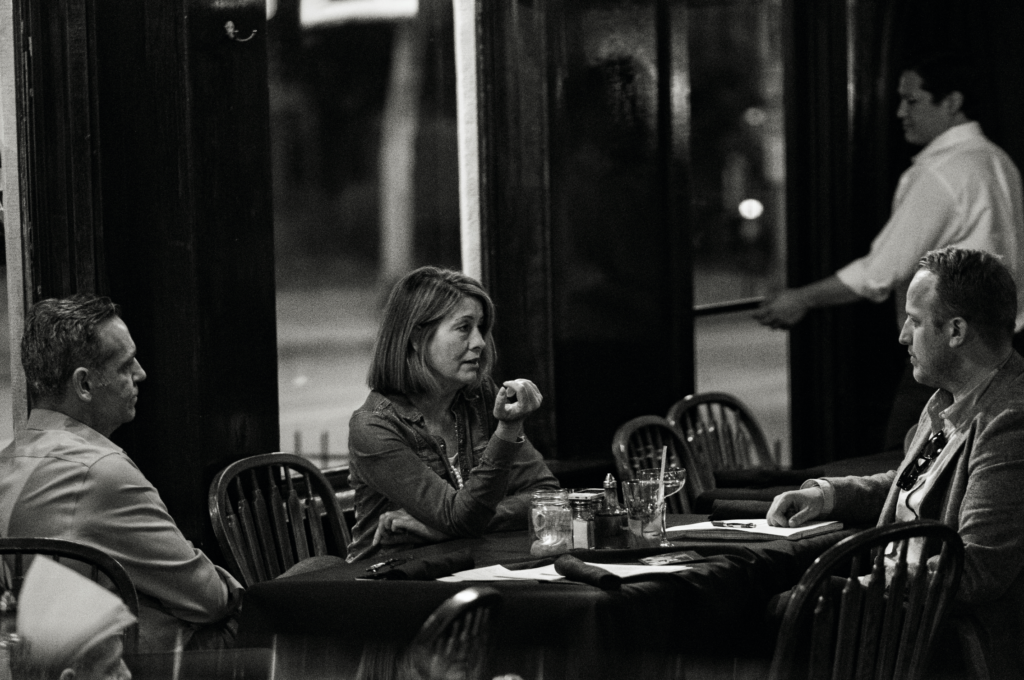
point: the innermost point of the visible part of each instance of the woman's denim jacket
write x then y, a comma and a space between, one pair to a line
396, 463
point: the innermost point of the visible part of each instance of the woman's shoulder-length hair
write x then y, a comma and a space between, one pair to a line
415, 308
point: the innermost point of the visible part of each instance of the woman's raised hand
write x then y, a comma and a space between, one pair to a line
516, 399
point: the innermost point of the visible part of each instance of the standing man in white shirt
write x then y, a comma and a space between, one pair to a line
961, 190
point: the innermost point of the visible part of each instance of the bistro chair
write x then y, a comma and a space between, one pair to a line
453, 642
844, 621
638, 443
97, 563
271, 511
721, 432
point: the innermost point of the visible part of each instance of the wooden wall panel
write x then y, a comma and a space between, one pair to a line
147, 177
515, 197
190, 238
845, 361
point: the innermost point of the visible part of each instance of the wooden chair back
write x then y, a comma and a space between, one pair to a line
721, 432
858, 625
453, 642
637, 444
272, 510
95, 560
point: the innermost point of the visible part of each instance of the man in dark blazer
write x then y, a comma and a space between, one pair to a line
964, 462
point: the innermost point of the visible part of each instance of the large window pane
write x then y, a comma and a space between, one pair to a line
737, 355
737, 152
365, 188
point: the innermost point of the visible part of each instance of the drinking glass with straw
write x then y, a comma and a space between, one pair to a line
670, 481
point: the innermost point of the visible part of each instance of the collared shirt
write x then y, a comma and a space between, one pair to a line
947, 412
961, 190
60, 478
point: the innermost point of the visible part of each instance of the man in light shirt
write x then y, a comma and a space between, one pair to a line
961, 190
964, 463
62, 477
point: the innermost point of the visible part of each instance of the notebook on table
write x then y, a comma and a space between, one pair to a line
750, 530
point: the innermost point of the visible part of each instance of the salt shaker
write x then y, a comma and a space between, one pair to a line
611, 529
611, 493
586, 503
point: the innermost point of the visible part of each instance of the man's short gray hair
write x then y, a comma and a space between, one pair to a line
977, 287
60, 336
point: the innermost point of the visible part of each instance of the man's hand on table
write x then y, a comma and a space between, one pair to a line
795, 508
398, 526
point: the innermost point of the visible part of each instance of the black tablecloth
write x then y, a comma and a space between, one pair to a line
713, 608
236, 664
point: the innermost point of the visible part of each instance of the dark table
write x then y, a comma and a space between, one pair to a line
232, 664
326, 619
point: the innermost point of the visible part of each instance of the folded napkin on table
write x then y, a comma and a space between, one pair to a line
703, 503
739, 509
574, 569
427, 569
759, 478
529, 564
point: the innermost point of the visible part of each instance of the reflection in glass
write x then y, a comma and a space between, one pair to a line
738, 163
363, 135
737, 150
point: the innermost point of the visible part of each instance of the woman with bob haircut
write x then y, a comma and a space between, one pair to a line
437, 450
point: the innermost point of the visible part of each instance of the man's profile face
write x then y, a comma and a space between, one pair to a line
928, 343
923, 119
114, 384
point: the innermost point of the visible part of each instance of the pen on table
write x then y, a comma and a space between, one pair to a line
393, 562
734, 525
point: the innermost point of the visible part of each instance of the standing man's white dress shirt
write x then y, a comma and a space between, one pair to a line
962, 190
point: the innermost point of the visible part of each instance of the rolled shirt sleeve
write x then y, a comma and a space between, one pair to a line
923, 220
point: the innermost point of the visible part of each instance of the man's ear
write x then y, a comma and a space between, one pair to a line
954, 102
67, 674
958, 328
81, 384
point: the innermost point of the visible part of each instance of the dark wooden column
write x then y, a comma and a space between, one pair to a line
845, 361
58, 139
151, 122
515, 196
189, 236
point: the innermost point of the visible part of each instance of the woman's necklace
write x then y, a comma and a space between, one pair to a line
459, 446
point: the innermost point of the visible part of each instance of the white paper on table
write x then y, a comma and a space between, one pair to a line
758, 529
627, 570
500, 573
548, 573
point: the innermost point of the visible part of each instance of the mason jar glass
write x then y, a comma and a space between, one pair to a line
550, 522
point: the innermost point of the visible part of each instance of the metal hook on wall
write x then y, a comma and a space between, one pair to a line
232, 32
